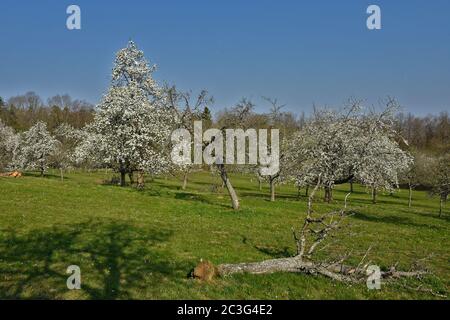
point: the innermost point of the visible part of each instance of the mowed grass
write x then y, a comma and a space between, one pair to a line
134, 244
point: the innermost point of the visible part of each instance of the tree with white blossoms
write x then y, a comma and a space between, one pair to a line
340, 146
36, 148
441, 180
381, 165
131, 129
68, 139
9, 146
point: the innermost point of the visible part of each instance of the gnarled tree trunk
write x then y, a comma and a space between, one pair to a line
231, 192
141, 180
328, 194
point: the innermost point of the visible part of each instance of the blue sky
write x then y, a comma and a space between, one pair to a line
301, 52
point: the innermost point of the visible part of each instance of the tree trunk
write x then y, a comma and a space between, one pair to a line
342, 273
130, 176
410, 196
185, 181
307, 191
351, 186
141, 180
42, 172
61, 171
122, 177
259, 184
441, 202
272, 189
374, 195
232, 193
328, 194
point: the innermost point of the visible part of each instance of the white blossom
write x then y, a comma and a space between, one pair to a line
36, 148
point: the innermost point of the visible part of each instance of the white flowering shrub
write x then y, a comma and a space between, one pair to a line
68, 139
9, 147
37, 146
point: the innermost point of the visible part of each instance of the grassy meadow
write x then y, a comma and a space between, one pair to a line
134, 244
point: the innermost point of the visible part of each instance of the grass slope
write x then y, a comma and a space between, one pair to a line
141, 245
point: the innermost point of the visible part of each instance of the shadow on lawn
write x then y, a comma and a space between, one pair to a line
47, 175
116, 260
405, 221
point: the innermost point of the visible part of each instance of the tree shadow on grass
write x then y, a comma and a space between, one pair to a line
200, 198
396, 220
429, 214
117, 260
270, 251
47, 175
274, 253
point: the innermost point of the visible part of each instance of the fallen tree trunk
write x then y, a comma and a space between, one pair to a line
338, 272
293, 264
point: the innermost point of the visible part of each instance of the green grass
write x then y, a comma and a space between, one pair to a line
142, 244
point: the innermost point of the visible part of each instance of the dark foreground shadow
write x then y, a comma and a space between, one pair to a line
117, 260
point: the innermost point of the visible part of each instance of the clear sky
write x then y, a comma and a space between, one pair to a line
301, 52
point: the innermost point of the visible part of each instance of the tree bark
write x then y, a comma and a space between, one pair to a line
272, 190
374, 195
141, 180
351, 186
328, 194
306, 191
441, 202
185, 181
338, 272
130, 176
61, 171
122, 177
231, 192
410, 196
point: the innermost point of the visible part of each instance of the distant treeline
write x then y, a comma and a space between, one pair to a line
23, 111
430, 133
